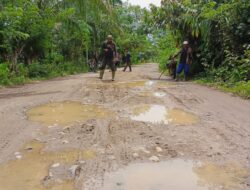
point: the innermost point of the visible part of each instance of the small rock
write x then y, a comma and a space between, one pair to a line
50, 175
19, 157
65, 142
17, 153
111, 157
154, 159
75, 170
61, 133
37, 139
82, 162
55, 165
28, 148
158, 149
146, 151
181, 154
66, 128
135, 155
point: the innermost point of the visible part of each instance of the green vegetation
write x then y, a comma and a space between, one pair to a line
218, 32
43, 39
48, 38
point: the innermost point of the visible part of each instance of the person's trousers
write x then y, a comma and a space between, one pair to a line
111, 65
128, 64
108, 62
183, 66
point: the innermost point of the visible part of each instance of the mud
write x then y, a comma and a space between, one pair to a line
181, 117
66, 113
88, 130
160, 114
32, 169
176, 175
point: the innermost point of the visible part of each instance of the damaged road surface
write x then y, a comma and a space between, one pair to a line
137, 133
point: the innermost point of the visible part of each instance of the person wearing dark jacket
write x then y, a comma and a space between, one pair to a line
127, 61
109, 53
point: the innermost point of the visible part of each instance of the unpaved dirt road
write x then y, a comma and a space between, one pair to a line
136, 119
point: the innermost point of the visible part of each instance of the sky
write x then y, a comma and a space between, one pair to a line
145, 3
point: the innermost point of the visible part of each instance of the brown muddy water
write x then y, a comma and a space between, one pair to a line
66, 113
176, 175
28, 172
160, 114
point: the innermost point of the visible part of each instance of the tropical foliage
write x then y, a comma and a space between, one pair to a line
218, 32
47, 38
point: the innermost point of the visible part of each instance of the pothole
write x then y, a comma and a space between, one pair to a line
181, 117
176, 175
29, 172
150, 113
152, 94
66, 113
160, 114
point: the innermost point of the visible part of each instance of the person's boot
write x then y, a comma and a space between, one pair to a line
186, 78
113, 75
101, 74
177, 77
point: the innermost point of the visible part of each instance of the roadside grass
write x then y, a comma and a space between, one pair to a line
241, 89
39, 74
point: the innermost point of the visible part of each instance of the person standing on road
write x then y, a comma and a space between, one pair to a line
128, 61
185, 60
109, 53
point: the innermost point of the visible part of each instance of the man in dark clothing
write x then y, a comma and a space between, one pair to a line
109, 53
128, 61
185, 60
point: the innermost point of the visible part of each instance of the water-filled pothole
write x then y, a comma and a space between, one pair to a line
152, 94
176, 175
28, 172
160, 114
150, 113
65, 113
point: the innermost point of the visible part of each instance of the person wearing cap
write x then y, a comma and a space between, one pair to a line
185, 60
109, 52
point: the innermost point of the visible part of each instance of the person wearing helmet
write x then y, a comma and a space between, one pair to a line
108, 51
185, 60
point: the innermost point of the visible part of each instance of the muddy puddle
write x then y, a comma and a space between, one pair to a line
29, 172
66, 113
134, 84
160, 114
175, 175
152, 94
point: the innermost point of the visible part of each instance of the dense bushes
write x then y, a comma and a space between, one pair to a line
218, 32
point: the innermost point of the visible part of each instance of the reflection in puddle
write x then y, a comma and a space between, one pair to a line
150, 94
28, 172
150, 113
65, 113
134, 84
159, 94
172, 175
160, 114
